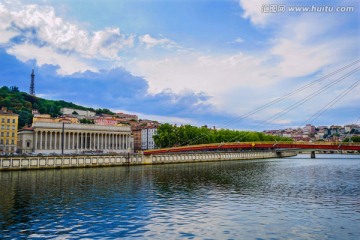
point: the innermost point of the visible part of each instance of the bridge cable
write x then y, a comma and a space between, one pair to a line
297, 104
332, 102
307, 98
246, 115
292, 93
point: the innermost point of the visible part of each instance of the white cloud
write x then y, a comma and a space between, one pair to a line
216, 76
150, 42
5, 19
45, 55
39, 27
253, 11
239, 40
238, 82
305, 45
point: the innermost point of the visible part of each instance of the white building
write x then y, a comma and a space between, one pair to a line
69, 111
147, 139
25, 140
47, 137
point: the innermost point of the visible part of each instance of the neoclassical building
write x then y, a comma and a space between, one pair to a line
57, 137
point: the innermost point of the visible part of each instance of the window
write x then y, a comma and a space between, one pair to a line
8, 127
8, 120
27, 144
13, 127
12, 141
13, 134
2, 127
3, 120
13, 120
1, 141
7, 134
7, 141
2, 134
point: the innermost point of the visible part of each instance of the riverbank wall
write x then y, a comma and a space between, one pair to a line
75, 161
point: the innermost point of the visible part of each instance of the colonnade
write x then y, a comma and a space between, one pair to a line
81, 141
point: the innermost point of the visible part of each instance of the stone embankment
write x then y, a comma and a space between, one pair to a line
75, 161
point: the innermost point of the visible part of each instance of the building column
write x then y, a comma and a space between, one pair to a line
121, 141
55, 136
73, 140
45, 145
40, 145
51, 147
126, 142
102, 141
90, 141
35, 140
112, 141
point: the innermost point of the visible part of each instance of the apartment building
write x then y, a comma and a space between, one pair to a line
8, 131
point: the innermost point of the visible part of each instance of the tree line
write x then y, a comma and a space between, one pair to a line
22, 104
171, 135
352, 139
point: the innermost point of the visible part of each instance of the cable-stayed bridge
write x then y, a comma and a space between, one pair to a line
261, 146
323, 84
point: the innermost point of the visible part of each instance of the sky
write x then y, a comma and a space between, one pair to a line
237, 64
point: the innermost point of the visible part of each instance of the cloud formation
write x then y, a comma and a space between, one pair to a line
160, 74
36, 30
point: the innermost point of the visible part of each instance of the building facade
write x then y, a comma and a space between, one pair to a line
25, 140
8, 131
147, 138
136, 132
47, 138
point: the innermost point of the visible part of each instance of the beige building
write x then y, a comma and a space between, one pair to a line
8, 131
51, 137
48, 118
25, 140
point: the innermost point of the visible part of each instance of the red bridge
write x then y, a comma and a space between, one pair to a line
279, 146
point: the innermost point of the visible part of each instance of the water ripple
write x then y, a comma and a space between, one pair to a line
297, 198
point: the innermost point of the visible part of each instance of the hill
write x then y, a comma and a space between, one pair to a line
22, 103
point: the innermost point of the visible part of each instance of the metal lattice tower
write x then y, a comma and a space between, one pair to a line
32, 84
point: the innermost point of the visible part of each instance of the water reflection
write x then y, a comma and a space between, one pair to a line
278, 198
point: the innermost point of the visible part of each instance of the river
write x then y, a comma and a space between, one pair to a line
292, 198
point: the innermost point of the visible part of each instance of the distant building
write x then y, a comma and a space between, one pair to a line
69, 111
127, 116
8, 131
136, 132
106, 121
309, 130
147, 138
48, 118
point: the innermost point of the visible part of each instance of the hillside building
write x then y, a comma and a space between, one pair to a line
69, 111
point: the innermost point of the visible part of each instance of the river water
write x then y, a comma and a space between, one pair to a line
292, 198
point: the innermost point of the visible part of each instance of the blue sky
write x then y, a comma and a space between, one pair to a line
193, 61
